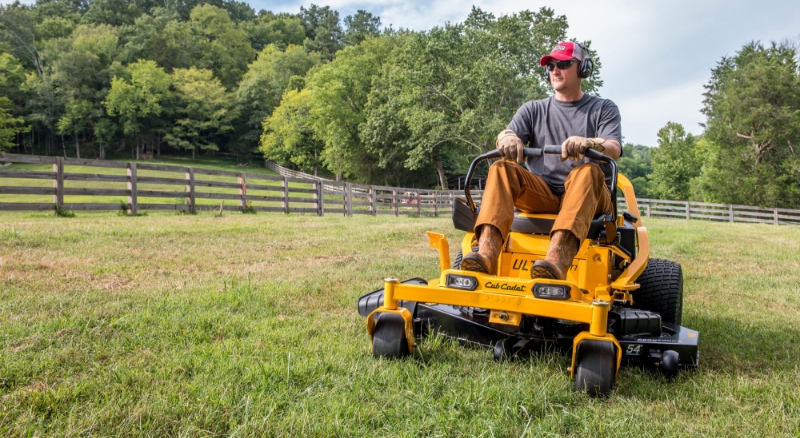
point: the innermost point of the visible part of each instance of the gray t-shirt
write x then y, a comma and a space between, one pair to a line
550, 122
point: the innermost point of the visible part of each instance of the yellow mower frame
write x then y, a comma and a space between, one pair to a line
592, 286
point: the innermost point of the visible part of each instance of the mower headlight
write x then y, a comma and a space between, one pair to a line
464, 282
551, 291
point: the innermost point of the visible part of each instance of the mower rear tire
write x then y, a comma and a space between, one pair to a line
661, 290
389, 339
596, 368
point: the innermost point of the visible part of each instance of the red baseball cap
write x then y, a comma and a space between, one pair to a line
563, 51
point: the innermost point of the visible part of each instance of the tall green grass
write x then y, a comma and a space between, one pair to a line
246, 325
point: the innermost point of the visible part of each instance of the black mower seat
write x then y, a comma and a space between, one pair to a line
543, 224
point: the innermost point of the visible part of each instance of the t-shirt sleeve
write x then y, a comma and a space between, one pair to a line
609, 127
522, 123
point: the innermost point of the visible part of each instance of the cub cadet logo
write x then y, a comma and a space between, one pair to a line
504, 286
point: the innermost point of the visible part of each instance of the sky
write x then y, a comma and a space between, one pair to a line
656, 55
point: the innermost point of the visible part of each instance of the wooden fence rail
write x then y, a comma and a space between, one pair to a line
145, 186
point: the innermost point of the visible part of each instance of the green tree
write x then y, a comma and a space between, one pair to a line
340, 92
675, 163
9, 125
288, 136
323, 31
360, 26
226, 50
458, 85
636, 164
280, 30
266, 80
12, 76
205, 110
164, 39
112, 12
76, 119
752, 105
81, 67
137, 99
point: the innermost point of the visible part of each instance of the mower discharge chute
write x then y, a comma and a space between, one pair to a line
616, 306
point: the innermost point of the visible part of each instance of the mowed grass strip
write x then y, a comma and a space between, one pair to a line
247, 325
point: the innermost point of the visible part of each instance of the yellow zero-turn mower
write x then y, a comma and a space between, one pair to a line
617, 305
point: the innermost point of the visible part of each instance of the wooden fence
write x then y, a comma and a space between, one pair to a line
76, 184
715, 212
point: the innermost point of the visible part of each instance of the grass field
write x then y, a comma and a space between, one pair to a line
176, 325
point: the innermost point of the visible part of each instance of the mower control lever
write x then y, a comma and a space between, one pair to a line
535, 152
527, 152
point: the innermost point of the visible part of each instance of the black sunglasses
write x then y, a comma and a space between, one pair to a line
562, 65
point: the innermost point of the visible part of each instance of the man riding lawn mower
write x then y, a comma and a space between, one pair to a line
567, 269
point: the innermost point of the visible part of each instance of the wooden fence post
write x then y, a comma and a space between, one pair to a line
58, 183
190, 199
776, 216
242, 191
688, 215
285, 202
648, 209
133, 207
730, 212
374, 200
320, 195
348, 199
344, 197
394, 201
419, 201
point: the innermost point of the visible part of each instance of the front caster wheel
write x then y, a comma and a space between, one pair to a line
596, 368
389, 340
669, 364
503, 349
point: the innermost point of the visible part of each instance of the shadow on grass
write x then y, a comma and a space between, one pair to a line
729, 344
730, 349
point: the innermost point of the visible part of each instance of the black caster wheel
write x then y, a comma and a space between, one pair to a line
389, 340
503, 349
596, 368
669, 364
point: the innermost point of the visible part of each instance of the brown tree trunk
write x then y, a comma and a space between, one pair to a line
77, 147
437, 162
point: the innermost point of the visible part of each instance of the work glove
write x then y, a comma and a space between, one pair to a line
510, 146
575, 147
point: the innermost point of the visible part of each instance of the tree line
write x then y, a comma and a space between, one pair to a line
746, 154
86, 78
352, 99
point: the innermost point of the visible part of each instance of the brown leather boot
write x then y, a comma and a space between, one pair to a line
490, 243
563, 247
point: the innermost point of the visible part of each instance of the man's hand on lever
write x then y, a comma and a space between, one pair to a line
574, 148
510, 146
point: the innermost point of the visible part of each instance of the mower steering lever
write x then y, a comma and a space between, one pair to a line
527, 152
534, 152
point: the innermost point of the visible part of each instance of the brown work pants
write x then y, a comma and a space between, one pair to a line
510, 185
